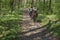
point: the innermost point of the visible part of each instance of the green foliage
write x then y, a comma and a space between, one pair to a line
10, 21
56, 28
9, 27
41, 17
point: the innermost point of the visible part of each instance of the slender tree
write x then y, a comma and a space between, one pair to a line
32, 3
11, 5
50, 7
43, 6
0, 6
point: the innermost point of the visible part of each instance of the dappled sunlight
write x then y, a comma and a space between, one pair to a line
36, 31
29, 19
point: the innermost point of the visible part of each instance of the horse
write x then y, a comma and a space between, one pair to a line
34, 15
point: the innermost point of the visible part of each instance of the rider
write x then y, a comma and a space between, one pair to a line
30, 11
35, 9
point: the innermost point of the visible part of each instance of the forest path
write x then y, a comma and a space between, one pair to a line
34, 31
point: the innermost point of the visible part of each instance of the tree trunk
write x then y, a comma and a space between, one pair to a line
32, 3
11, 5
43, 6
0, 6
50, 2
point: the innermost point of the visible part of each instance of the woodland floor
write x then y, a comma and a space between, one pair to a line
34, 31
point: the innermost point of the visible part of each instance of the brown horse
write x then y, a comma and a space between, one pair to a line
34, 15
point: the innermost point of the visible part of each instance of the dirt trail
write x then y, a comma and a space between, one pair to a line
34, 31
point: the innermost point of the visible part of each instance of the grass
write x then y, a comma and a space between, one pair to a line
55, 27
10, 25
10, 17
43, 19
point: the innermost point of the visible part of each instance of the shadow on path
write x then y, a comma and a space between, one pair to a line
36, 32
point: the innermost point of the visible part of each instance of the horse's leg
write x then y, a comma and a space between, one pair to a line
34, 18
